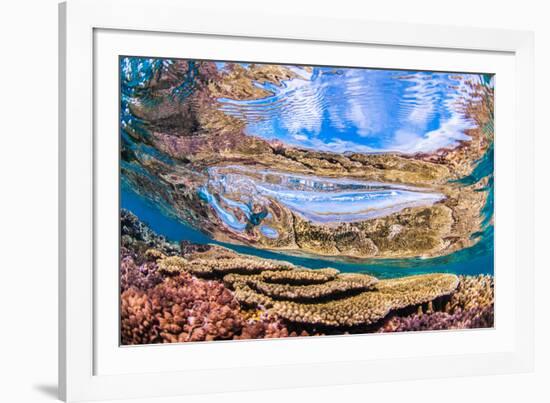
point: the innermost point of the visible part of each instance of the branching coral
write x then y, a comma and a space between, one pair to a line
469, 319
137, 325
182, 308
189, 309
140, 276
473, 291
266, 326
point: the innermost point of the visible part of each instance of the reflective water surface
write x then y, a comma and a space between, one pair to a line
360, 110
320, 200
319, 109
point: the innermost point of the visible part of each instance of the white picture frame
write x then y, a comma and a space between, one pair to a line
82, 374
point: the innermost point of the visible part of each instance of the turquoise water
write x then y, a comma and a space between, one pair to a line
471, 261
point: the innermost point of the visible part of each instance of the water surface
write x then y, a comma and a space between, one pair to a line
360, 110
317, 199
471, 261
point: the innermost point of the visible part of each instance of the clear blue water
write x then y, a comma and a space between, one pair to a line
360, 110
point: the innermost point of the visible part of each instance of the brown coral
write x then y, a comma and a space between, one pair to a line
171, 264
365, 308
220, 266
342, 285
473, 291
138, 325
470, 306
300, 276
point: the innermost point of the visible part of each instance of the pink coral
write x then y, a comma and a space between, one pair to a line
478, 317
132, 274
470, 307
189, 309
137, 322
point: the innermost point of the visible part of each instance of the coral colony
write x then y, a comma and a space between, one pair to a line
266, 201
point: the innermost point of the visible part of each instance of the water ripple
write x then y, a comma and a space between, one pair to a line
360, 110
235, 193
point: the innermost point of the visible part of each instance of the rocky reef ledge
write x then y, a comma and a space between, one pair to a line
190, 292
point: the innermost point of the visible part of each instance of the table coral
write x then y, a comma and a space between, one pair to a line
342, 285
362, 309
220, 266
470, 306
300, 276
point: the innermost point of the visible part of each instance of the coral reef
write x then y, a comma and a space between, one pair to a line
299, 276
136, 235
470, 306
141, 276
363, 309
208, 292
189, 309
137, 322
342, 285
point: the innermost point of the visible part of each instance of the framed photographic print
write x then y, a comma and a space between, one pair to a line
242, 208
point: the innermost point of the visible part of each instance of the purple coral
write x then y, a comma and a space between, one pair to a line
470, 306
478, 317
140, 276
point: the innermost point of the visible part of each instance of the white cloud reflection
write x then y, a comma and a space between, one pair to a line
360, 110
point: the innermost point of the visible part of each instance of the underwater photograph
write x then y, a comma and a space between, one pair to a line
266, 200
